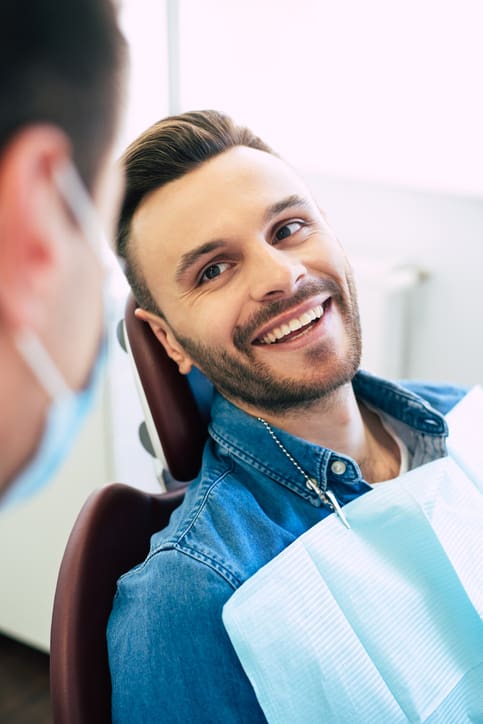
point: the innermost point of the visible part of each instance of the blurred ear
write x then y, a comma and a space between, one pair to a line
165, 335
32, 219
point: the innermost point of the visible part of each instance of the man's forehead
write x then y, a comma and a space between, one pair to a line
216, 189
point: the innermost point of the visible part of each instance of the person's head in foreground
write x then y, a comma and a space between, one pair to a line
60, 83
235, 267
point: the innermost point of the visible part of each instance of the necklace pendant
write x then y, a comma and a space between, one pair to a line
329, 499
337, 509
313, 485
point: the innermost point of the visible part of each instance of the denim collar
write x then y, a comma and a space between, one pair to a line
244, 438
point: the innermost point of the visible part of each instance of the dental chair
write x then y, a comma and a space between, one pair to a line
113, 529
176, 407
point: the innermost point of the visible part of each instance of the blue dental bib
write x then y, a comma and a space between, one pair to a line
381, 622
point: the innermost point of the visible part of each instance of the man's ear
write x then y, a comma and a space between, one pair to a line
166, 336
31, 218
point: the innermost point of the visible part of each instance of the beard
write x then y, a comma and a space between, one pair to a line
244, 379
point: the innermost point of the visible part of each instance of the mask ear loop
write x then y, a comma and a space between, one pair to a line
76, 197
38, 360
71, 188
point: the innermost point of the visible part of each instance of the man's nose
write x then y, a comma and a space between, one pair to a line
274, 273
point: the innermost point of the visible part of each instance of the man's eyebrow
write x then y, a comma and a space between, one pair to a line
191, 257
289, 202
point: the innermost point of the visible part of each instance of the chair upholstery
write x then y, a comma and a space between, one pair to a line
110, 536
172, 408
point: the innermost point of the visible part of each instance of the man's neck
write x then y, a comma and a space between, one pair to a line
343, 424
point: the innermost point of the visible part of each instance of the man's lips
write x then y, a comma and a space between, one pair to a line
292, 325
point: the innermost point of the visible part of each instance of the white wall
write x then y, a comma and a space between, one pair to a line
144, 24
384, 90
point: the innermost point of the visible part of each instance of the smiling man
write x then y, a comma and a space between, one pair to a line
238, 273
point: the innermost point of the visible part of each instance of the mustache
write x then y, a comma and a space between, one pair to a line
243, 335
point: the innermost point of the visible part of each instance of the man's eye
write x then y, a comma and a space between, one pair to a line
287, 230
213, 271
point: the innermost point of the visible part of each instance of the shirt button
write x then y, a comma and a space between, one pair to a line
338, 467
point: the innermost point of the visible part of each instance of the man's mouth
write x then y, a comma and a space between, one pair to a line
294, 327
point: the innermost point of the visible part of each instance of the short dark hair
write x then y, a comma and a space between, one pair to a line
165, 152
61, 63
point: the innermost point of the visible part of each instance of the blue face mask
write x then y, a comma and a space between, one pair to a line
68, 408
64, 420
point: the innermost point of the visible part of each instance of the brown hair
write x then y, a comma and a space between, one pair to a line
165, 152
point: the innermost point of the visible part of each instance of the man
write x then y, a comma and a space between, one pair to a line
60, 79
237, 271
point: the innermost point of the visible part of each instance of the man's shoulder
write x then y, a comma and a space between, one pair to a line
190, 539
441, 396
400, 397
209, 536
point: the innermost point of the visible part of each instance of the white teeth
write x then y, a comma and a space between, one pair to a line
293, 325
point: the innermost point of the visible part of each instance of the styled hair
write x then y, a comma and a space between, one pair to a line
61, 63
165, 152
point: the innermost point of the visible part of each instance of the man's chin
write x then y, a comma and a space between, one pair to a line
289, 395
281, 383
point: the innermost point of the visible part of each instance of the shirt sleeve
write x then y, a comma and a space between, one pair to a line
170, 657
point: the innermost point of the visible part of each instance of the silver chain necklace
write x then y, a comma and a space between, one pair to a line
326, 496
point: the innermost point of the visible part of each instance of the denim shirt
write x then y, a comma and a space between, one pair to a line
170, 657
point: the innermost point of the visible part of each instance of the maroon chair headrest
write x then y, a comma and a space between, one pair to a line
180, 425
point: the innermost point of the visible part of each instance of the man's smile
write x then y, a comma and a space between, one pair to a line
295, 325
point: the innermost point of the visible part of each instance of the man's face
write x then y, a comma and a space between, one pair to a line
254, 287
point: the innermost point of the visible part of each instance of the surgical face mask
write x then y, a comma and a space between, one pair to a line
68, 408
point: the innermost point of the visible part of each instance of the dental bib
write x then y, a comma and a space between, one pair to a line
382, 622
